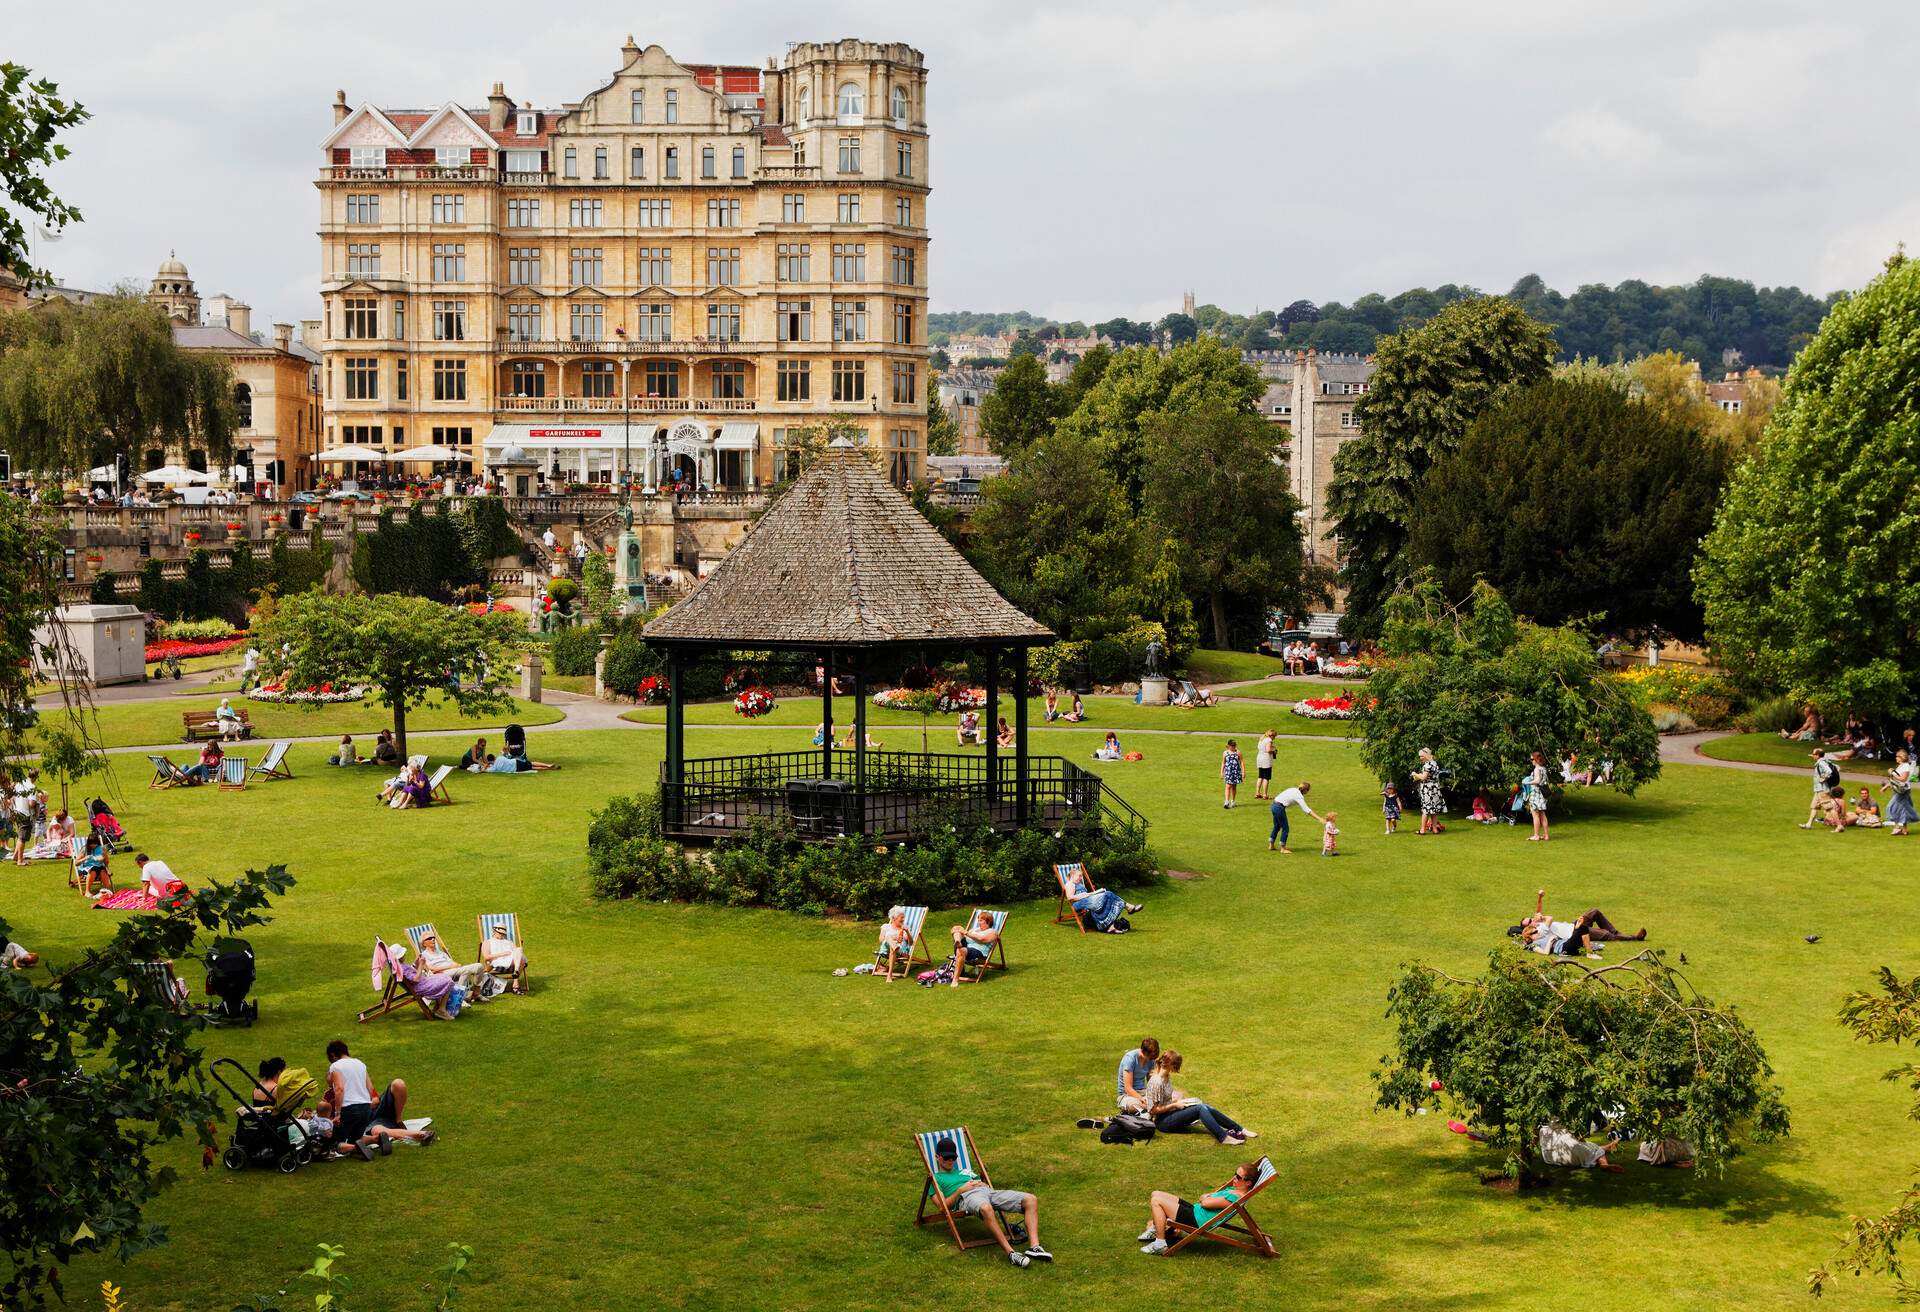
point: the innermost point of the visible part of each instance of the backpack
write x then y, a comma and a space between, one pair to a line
1128, 1127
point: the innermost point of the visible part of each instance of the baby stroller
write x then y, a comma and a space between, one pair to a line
229, 978
101, 821
267, 1134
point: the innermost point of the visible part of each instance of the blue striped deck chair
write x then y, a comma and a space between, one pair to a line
1256, 1240
273, 765
417, 932
233, 774
1066, 913
917, 954
510, 922
997, 949
166, 774
968, 1159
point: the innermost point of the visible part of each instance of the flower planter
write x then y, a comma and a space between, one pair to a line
236, 528
191, 536
95, 558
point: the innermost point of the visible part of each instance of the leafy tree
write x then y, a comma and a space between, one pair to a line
943, 435
1021, 409
1026, 342
1485, 691
32, 114
1519, 504
30, 556
1431, 383
1179, 328
487, 532
1088, 370
100, 1075
596, 587
403, 649
1810, 580
1298, 312
1532, 1041
1124, 332
1670, 384
66, 756
81, 385
1215, 489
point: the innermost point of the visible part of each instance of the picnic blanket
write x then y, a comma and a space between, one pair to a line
51, 851
138, 898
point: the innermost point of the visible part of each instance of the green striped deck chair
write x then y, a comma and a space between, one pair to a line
1255, 1239
917, 955
510, 922
968, 1159
233, 774
157, 980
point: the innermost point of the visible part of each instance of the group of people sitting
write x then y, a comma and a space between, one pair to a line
1307, 657
385, 751
1831, 808
511, 759
1074, 713
1144, 1087
348, 1122
1857, 740
971, 730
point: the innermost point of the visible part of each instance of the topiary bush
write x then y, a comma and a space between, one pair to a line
574, 651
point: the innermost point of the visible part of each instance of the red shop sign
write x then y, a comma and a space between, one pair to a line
563, 432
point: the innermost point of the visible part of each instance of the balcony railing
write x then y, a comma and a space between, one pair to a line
623, 346
797, 172
409, 173
642, 405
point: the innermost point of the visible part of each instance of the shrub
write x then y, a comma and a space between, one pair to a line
1058, 665
628, 661
1671, 719
1707, 698
197, 630
575, 650
1770, 716
563, 591
1108, 659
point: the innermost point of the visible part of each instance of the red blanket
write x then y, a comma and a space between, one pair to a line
128, 899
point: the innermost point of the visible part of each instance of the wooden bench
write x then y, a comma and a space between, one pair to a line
205, 724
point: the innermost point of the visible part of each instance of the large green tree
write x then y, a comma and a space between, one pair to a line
82, 384
1574, 500
32, 115
31, 652
943, 435
1431, 382
403, 649
1021, 408
1810, 579
1215, 489
1485, 691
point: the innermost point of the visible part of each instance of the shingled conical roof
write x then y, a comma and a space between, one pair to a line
843, 559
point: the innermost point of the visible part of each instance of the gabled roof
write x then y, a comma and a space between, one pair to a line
480, 136
843, 559
348, 123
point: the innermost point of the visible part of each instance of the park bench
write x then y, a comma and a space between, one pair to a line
204, 724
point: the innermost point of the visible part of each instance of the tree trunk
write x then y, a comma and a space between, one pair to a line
399, 724
1218, 604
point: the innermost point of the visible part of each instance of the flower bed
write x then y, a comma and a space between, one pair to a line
1325, 708
653, 689
159, 651
488, 608
326, 692
1344, 670
754, 702
954, 697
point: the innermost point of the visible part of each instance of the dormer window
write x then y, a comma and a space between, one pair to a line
900, 106
853, 101
450, 157
529, 123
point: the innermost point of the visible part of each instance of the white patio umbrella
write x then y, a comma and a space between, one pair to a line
351, 454
422, 453
173, 474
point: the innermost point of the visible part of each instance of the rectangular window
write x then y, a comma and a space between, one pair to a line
596, 378
656, 266
600, 162
452, 157
903, 265
723, 266
739, 161
794, 321
849, 207
637, 162
639, 107
793, 380
662, 378
849, 154
362, 317
903, 323
673, 162
523, 213
673, 106
903, 211
360, 434
449, 380
904, 382
584, 213
570, 162
656, 322
1347, 420
793, 207
526, 163
723, 322
399, 321
849, 381
786, 464
449, 209
363, 209
523, 323
588, 323
364, 259
585, 266
449, 261
451, 436
903, 159
849, 261
367, 157
793, 261
529, 378
363, 378
706, 162
849, 321
901, 462
723, 214
656, 213
523, 266
400, 379
449, 321
730, 380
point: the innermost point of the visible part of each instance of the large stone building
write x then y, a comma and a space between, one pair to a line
1312, 397
693, 258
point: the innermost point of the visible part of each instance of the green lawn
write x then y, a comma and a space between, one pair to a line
1772, 749
691, 1111
1213, 665
1120, 714
133, 724
1292, 690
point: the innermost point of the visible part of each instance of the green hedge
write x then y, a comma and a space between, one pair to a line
575, 650
628, 858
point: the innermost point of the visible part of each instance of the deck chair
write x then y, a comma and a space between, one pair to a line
417, 762
167, 775
917, 953
397, 992
999, 948
417, 932
511, 923
1066, 913
274, 764
437, 786
1261, 1243
233, 774
1195, 695
968, 1159
157, 980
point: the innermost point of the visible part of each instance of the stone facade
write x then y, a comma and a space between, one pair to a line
683, 265
963, 391
1312, 397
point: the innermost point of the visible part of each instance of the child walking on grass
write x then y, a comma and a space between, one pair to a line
1390, 807
1330, 835
1232, 770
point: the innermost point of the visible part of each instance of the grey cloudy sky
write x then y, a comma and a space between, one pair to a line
1091, 158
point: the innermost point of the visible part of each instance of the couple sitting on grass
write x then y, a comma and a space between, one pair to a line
1145, 1088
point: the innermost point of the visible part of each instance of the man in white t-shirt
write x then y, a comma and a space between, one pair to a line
158, 876
20, 817
548, 538
1285, 798
359, 1123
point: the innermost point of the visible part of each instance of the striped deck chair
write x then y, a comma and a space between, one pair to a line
396, 992
437, 786
968, 1160
417, 762
166, 774
1066, 912
510, 922
233, 774
917, 954
157, 980
997, 949
1262, 1243
417, 932
273, 765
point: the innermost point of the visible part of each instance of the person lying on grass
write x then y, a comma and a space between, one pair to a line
1171, 1208
1560, 1146
1549, 937
968, 1195
1102, 906
971, 944
361, 1125
1174, 1112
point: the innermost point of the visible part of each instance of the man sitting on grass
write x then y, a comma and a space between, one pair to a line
968, 1195
359, 1124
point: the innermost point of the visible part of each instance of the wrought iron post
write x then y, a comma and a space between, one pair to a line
993, 732
1020, 801
859, 745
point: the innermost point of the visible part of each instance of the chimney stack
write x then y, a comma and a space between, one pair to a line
340, 110
499, 108
283, 337
310, 334
240, 318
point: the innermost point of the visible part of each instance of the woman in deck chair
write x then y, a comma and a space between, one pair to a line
896, 945
502, 956
1102, 906
1169, 1208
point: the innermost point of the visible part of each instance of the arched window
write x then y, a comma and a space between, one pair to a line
805, 111
243, 405
853, 101
900, 104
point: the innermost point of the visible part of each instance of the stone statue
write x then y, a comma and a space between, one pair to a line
1155, 652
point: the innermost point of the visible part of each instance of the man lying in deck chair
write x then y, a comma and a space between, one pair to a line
1214, 1213
975, 942
965, 1194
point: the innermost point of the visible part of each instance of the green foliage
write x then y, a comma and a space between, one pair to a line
575, 650
1022, 407
196, 630
30, 584
487, 533
1630, 1045
66, 756
426, 556
596, 587
1485, 691
563, 591
1431, 383
1573, 500
334, 1286
629, 660
100, 1077
1810, 579
1770, 716
32, 114
943, 435
105, 588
